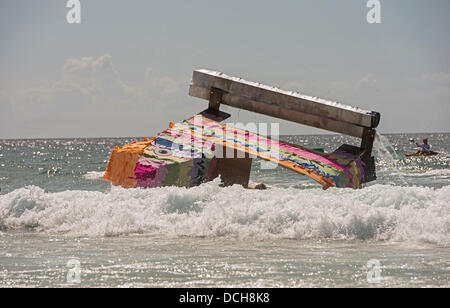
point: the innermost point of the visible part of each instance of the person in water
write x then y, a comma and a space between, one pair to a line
425, 147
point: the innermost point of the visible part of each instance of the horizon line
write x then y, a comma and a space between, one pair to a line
284, 135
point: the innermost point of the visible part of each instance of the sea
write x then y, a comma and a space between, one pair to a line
62, 225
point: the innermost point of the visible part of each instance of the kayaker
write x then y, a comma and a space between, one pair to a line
425, 147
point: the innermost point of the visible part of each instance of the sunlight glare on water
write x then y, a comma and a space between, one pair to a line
55, 206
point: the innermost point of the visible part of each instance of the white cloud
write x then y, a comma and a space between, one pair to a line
368, 82
163, 86
432, 80
91, 99
418, 103
95, 77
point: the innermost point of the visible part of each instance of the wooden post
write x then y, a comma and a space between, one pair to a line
367, 141
234, 171
215, 99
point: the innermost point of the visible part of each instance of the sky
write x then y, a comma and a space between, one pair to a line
125, 69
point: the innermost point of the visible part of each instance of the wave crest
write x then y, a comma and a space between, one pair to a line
378, 212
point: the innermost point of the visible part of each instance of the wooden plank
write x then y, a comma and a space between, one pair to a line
281, 104
277, 97
290, 115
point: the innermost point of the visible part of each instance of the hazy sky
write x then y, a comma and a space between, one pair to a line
125, 70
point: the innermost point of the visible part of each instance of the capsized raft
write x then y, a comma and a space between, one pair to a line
202, 148
186, 155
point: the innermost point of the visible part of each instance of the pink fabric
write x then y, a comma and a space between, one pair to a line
262, 140
150, 173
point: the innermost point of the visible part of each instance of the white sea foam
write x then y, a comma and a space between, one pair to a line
436, 173
444, 173
93, 175
378, 212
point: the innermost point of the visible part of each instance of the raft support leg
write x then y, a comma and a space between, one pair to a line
366, 155
367, 142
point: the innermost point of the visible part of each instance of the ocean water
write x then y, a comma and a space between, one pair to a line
55, 209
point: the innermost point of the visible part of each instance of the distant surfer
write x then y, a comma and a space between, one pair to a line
425, 148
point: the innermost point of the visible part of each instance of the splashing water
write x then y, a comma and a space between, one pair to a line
388, 155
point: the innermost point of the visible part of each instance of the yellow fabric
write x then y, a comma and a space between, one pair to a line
123, 160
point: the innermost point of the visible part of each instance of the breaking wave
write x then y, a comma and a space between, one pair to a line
93, 175
378, 212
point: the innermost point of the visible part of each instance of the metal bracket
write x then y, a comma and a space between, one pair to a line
215, 99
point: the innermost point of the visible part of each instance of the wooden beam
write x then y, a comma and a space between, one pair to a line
291, 106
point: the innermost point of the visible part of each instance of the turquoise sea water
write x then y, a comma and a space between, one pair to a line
55, 207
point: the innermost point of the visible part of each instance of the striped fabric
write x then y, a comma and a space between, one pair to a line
185, 155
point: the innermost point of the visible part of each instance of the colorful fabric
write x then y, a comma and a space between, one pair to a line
185, 155
150, 173
120, 170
